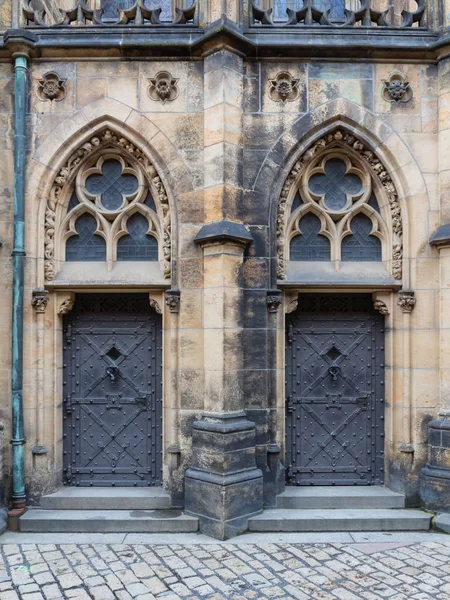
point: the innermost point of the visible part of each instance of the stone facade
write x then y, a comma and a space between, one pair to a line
225, 113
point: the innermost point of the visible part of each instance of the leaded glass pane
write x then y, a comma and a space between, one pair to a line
361, 246
310, 246
137, 245
111, 184
73, 202
335, 184
86, 246
373, 203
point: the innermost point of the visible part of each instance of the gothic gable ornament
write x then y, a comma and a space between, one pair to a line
335, 181
284, 88
397, 89
163, 87
51, 88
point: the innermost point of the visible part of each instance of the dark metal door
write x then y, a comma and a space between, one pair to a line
335, 391
112, 392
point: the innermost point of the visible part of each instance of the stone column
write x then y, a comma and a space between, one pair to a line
435, 478
223, 487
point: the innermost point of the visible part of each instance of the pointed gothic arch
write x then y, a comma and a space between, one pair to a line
387, 225
60, 216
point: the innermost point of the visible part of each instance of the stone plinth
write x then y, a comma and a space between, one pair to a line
223, 488
435, 478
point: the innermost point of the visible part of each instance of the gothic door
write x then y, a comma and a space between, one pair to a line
112, 392
335, 391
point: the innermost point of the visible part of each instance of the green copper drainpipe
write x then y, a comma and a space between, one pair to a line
18, 259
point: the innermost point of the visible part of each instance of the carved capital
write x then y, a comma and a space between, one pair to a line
406, 300
273, 300
173, 300
39, 300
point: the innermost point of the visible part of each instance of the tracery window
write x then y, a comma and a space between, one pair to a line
339, 206
107, 204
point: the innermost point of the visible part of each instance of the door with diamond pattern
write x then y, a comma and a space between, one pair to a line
334, 391
112, 391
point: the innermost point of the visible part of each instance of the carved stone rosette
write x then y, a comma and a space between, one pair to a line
284, 88
163, 87
51, 88
172, 300
397, 89
406, 300
39, 300
105, 140
340, 139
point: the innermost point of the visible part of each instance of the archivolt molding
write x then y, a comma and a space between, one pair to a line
287, 222
100, 144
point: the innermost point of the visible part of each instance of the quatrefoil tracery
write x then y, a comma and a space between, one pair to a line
335, 188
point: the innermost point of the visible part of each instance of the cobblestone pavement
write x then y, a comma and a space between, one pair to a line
401, 571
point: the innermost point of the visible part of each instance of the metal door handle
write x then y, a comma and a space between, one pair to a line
112, 373
334, 372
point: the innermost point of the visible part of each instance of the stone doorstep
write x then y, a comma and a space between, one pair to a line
104, 521
108, 498
279, 519
333, 497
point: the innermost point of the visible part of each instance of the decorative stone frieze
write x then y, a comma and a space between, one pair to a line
51, 87
406, 300
273, 300
163, 87
284, 88
397, 89
39, 300
120, 146
341, 140
172, 300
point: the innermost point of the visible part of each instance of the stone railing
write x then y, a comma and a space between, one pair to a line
337, 16
81, 15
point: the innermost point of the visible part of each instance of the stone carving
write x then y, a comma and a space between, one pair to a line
380, 307
366, 16
406, 300
163, 87
284, 88
81, 15
397, 89
341, 139
173, 300
39, 300
273, 300
51, 87
105, 139
66, 306
154, 304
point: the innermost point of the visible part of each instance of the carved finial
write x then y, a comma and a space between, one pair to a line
173, 300
39, 300
406, 300
273, 300
380, 307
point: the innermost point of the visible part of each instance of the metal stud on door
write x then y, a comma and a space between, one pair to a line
112, 392
334, 391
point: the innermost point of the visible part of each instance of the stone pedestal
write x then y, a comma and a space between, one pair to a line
435, 478
224, 487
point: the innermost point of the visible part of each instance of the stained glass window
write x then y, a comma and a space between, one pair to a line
335, 184
86, 246
137, 245
361, 246
111, 184
310, 246
110, 8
